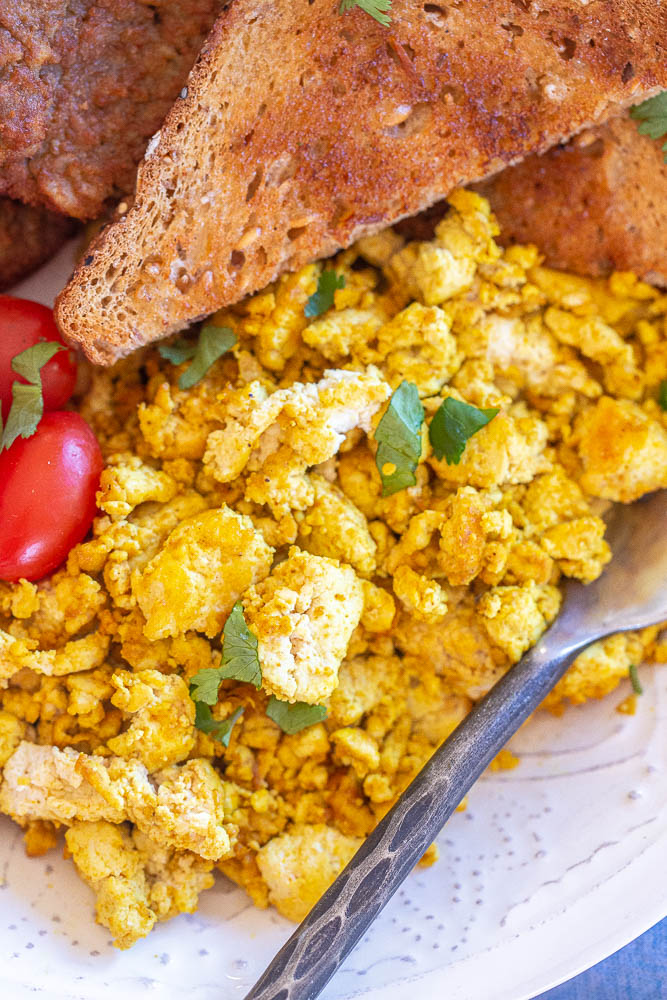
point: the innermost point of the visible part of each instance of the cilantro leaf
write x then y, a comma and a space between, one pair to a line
213, 342
240, 661
662, 394
293, 718
634, 679
323, 298
204, 685
453, 424
178, 351
379, 9
25, 413
27, 401
652, 116
219, 730
30, 362
399, 439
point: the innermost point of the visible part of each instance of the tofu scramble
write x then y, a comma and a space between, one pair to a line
257, 491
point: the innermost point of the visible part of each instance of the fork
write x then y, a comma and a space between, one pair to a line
630, 594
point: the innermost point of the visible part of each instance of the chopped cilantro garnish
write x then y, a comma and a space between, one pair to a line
178, 351
25, 413
204, 685
220, 731
239, 661
634, 679
29, 363
662, 394
379, 9
213, 342
453, 424
399, 439
652, 116
323, 298
27, 401
293, 718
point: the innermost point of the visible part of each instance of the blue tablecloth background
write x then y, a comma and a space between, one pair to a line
636, 972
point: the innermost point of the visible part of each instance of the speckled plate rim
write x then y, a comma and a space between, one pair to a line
458, 977
537, 978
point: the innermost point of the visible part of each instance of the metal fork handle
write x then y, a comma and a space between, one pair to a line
308, 960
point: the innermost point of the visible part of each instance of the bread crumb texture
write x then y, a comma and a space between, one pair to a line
259, 485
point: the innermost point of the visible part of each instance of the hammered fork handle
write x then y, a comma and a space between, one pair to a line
308, 960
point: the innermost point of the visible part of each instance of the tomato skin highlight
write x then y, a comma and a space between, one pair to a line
47, 495
22, 324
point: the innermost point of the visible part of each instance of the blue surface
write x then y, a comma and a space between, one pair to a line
636, 972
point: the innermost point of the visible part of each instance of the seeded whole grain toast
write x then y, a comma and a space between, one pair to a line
83, 85
301, 130
596, 205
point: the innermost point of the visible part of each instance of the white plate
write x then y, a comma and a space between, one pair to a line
553, 866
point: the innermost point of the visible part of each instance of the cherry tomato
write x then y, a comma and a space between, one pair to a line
47, 495
22, 324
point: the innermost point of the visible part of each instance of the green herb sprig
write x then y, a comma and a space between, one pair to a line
240, 662
652, 118
292, 718
452, 426
634, 679
27, 400
399, 439
379, 9
218, 730
212, 343
323, 298
662, 394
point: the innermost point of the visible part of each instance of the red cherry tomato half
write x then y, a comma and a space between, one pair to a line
22, 324
47, 495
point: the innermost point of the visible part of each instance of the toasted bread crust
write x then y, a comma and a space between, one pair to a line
596, 205
330, 127
28, 237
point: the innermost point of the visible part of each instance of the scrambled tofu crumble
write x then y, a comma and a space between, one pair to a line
259, 485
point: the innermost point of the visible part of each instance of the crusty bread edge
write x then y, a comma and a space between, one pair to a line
73, 297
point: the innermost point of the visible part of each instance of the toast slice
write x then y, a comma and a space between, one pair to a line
596, 205
303, 129
83, 86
